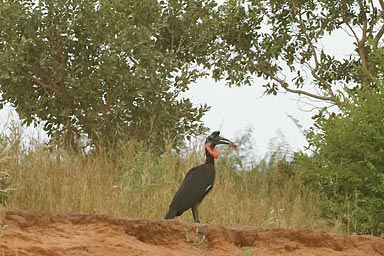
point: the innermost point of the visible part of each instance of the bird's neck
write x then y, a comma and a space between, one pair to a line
209, 159
210, 154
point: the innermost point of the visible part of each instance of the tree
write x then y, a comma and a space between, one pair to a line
103, 68
280, 41
348, 159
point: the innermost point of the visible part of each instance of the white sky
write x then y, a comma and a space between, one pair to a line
236, 108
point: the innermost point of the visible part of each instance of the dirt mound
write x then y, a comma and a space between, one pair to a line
28, 233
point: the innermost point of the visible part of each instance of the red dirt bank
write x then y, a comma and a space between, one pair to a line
51, 234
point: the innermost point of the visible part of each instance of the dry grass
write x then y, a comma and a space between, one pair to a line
131, 182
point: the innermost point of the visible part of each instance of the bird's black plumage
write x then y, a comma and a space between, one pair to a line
198, 182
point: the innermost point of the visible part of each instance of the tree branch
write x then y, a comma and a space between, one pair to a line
315, 56
363, 39
377, 38
381, 4
43, 85
299, 92
352, 31
296, 91
68, 102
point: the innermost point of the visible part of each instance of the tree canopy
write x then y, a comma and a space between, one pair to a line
281, 41
102, 68
347, 161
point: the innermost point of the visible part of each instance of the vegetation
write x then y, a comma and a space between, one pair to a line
107, 73
93, 70
283, 42
348, 159
133, 182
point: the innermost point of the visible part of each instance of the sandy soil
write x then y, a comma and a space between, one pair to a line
51, 234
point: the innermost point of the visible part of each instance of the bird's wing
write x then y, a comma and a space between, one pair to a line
195, 186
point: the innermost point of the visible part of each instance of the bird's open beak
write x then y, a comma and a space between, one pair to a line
220, 140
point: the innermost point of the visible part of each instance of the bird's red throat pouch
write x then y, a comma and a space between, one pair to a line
213, 152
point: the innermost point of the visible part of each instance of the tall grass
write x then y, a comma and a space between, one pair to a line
131, 182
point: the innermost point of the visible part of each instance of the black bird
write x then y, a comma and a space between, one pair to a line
198, 181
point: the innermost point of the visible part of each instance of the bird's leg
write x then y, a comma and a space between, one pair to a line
195, 213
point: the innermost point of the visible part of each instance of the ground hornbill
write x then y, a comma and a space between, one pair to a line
198, 181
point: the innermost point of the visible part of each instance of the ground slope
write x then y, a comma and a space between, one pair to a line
31, 233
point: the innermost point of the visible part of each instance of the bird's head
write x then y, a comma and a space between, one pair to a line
215, 139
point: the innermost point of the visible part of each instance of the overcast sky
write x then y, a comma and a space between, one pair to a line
235, 109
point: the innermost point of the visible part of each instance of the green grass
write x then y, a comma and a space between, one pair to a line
131, 182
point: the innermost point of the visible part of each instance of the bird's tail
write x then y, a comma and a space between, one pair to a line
171, 214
